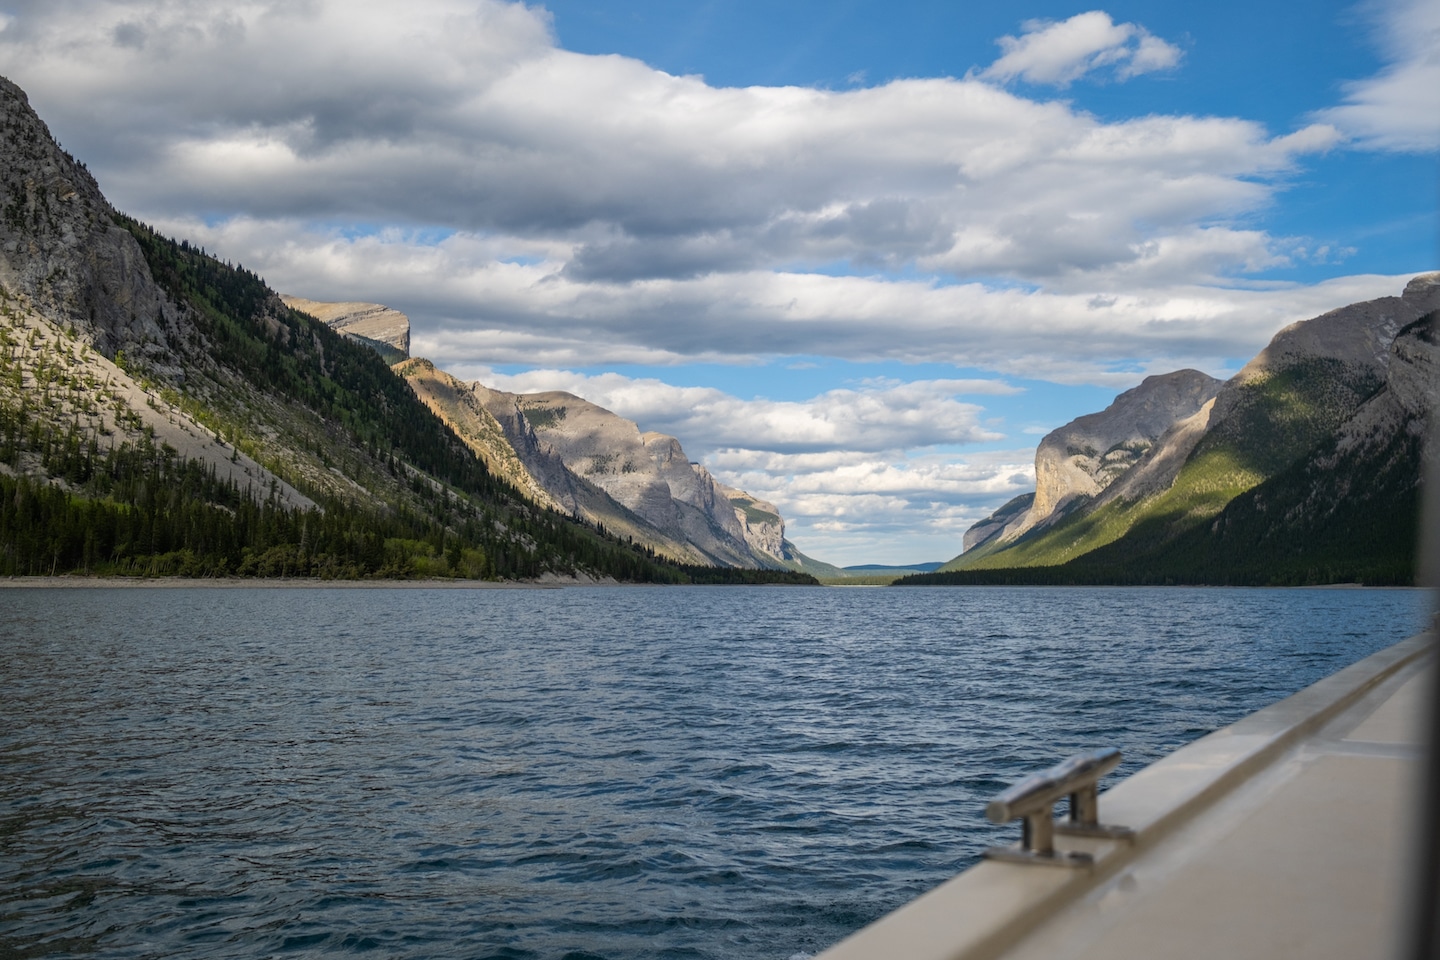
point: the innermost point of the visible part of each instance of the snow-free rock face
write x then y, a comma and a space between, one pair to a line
599, 466
364, 321
1086, 455
1352, 343
994, 526
761, 524
1356, 378
455, 403
1405, 403
61, 248
1075, 463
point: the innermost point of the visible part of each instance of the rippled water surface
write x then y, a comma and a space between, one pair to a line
620, 773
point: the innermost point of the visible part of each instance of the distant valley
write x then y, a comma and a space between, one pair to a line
163, 413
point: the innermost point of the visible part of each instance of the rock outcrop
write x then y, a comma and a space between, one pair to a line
760, 524
1075, 463
646, 473
564, 452
1327, 399
371, 323
61, 248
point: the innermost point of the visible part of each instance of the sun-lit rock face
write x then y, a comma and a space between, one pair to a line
366, 321
600, 466
1329, 402
1078, 461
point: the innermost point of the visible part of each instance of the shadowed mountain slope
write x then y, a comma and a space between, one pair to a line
1303, 468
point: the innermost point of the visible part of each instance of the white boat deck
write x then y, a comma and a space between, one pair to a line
1279, 836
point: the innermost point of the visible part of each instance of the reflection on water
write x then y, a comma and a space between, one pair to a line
679, 772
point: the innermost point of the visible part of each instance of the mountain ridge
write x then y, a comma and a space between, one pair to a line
1357, 382
164, 413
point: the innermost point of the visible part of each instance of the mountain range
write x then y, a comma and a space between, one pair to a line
163, 412
1304, 467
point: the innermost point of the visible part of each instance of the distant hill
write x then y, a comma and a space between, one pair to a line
1302, 468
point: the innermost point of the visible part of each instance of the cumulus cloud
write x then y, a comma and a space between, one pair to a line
1398, 108
870, 418
464, 115
472, 309
1061, 53
852, 468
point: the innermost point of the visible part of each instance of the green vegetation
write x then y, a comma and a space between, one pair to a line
397, 494
1334, 517
1271, 423
542, 417
753, 514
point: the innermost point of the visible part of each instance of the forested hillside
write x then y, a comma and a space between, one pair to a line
1306, 470
164, 413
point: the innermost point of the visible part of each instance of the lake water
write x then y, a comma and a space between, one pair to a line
582, 773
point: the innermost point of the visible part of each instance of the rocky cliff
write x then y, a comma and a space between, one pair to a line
579, 458
648, 474
1327, 404
370, 323
1078, 461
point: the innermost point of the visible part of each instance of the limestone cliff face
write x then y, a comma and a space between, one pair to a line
1354, 345
590, 463
1087, 454
455, 403
61, 248
760, 524
993, 527
1412, 373
1078, 461
372, 322
649, 474
1352, 379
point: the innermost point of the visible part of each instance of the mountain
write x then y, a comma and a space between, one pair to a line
377, 326
591, 463
868, 568
1075, 463
1303, 467
162, 412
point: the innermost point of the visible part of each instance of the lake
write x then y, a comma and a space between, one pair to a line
707, 772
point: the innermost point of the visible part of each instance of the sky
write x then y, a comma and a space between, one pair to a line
858, 256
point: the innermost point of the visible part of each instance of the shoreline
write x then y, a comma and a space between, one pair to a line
547, 582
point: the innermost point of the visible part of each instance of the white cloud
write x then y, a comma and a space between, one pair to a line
472, 310
870, 418
1398, 108
1061, 53
465, 116
851, 469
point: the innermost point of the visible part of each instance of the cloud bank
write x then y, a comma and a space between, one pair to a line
466, 116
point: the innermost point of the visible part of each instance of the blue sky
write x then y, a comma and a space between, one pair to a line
857, 256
